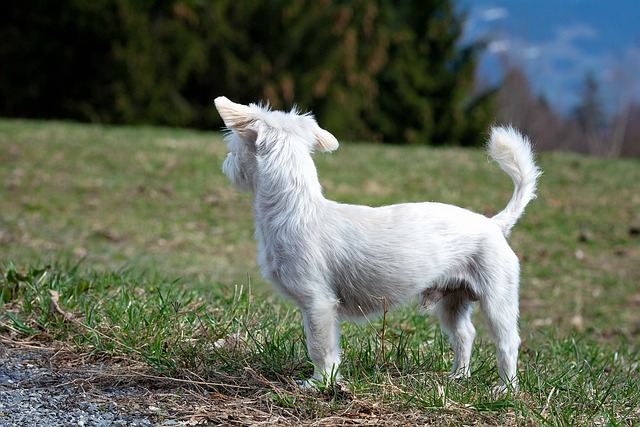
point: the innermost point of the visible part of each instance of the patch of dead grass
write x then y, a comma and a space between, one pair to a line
248, 401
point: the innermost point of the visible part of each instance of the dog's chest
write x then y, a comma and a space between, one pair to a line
277, 251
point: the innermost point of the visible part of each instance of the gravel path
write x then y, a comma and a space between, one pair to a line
45, 387
36, 392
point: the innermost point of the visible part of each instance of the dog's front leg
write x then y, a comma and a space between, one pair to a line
322, 328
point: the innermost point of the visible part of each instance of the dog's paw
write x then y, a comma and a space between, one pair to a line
311, 384
502, 388
459, 374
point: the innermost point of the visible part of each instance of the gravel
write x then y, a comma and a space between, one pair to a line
35, 392
48, 387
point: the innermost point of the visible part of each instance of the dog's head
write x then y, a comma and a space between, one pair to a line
256, 131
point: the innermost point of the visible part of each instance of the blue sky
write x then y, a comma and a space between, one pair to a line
557, 42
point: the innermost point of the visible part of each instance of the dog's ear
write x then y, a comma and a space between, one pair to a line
325, 141
235, 116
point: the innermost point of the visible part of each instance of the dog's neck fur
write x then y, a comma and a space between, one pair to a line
303, 192
285, 216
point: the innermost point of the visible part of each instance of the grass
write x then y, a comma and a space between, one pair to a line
128, 245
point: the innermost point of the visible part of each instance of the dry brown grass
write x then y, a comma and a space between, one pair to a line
199, 402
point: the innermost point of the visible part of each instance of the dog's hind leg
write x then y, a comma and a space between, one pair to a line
322, 329
499, 305
454, 313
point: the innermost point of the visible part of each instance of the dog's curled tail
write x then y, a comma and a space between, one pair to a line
512, 151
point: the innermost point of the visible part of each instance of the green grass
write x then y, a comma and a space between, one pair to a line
151, 254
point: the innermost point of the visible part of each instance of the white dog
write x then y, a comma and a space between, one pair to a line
344, 262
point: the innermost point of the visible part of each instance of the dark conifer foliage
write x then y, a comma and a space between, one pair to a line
391, 71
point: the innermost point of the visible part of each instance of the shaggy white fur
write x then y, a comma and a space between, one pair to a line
344, 262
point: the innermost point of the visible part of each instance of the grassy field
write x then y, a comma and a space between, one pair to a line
129, 245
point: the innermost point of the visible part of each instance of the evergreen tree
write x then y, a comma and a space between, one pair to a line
55, 58
425, 90
592, 117
322, 55
590, 110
